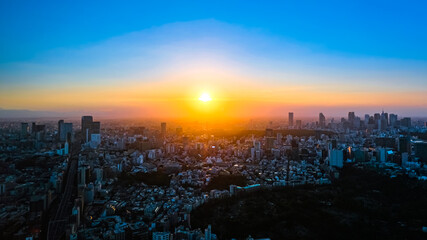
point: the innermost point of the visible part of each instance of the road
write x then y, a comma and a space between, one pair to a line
57, 225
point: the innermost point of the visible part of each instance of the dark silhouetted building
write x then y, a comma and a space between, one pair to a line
298, 124
65, 131
322, 120
24, 130
86, 126
405, 122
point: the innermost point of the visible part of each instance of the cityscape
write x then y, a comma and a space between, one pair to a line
134, 180
207, 121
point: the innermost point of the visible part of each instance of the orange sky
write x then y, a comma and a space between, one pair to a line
247, 74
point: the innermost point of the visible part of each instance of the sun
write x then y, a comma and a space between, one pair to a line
205, 97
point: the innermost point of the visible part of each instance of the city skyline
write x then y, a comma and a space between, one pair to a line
208, 120
250, 67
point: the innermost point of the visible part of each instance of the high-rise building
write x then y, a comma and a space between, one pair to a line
405, 122
86, 126
393, 120
163, 128
384, 121
384, 115
381, 155
351, 120
95, 128
335, 156
377, 117
65, 131
60, 122
356, 122
366, 119
298, 124
404, 145
421, 150
291, 119
24, 130
82, 172
351, 117
89, 128
322, 120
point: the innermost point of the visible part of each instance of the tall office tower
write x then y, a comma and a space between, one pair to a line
405, 122
95, 128
336, 158
291, 119
163, 128
393, 120
351, 117
95, 134
322, 120
66, 133
366, 119
33, 128
377, 117
24, 130
404, 145
356, 122
60, 123
298, 124
86, 126
384, 121
421, 150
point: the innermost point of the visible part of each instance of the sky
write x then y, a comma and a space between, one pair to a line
255, 59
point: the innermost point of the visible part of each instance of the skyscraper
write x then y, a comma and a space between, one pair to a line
291, 119
351, 117
298, 124
60, 122
366, 119
384, 115
95, 134
86, 126
406, 122
393, 120
322, 120
95, 128
24, 130
65, 132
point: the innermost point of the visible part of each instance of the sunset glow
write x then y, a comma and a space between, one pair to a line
205, 97
158, 71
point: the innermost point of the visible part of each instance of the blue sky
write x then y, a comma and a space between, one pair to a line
392, 29
333, 46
